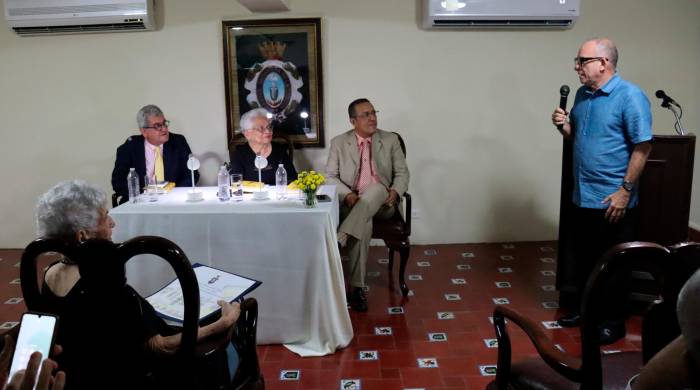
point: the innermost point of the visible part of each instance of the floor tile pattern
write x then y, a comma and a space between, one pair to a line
440, 337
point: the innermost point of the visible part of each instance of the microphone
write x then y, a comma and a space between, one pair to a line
564, 94
665, 98
666, 102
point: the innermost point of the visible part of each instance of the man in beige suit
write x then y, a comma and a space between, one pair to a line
369, 170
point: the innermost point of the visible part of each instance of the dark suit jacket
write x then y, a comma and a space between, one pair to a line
243, 161
132, 154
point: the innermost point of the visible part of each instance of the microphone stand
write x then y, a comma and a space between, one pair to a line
678, 126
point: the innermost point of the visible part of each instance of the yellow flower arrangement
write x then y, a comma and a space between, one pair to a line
308, 183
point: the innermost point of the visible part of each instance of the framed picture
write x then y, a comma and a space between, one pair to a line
275, 64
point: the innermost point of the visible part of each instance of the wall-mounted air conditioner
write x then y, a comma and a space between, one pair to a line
39, 17
500, 13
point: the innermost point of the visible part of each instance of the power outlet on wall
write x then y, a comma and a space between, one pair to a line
415, 213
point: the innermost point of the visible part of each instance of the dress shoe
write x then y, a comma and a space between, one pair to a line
609, 333
358, 302
570, 320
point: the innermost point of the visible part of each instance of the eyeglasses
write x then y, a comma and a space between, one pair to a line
261, 129
367, 114
581, 61
159, 126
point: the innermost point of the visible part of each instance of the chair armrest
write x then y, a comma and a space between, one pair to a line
244, 339
241, 334
561, 362
247, 324
116, 200
213, 343
407, 196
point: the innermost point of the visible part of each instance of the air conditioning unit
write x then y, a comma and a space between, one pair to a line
500, 13
40, 17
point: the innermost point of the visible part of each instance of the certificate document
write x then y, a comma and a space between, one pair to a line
214, 285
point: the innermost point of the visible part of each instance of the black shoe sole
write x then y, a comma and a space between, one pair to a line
614, 336
569, 323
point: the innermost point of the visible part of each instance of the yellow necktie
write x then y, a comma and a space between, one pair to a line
159, 170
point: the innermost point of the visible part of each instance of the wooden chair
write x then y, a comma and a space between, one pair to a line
210, 355
117, 200
661, 320
555, 369
248, 375
395, 233
109, 303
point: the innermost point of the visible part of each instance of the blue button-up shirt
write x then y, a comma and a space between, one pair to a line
607, 124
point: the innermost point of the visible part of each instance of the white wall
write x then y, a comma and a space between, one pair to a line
473, 106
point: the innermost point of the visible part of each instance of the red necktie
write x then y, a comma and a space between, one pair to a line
365, 177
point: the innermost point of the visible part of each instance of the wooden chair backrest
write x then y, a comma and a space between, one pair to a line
277, 137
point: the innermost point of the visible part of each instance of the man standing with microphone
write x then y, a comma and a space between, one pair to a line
610, 127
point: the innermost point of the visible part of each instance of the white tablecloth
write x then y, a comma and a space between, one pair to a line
291, 249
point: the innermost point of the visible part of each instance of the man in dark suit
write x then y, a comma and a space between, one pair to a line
156, 153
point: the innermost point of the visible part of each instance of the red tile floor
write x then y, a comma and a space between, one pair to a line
444, 325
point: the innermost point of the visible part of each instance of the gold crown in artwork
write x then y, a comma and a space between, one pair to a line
272, 50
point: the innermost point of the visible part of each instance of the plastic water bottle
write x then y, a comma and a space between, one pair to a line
281, 181
224, 184
132, 181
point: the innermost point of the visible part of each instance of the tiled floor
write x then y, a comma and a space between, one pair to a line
441, 337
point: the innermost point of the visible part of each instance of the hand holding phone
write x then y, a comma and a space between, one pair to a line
35, 378
36, 334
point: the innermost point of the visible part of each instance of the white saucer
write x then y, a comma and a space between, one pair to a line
194, 196
261, 195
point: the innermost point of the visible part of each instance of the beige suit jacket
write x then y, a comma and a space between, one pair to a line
344, 162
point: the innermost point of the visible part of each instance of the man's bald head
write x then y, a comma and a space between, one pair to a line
607, 49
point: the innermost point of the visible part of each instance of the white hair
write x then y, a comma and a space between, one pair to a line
688, 318
69, 207
145, 112
246, 122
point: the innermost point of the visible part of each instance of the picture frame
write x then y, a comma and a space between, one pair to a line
275, 64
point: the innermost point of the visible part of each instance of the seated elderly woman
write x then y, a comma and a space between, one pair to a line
677, 366
76, 211
256, 128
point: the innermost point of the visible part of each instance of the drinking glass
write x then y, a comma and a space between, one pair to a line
150, 189
237, 186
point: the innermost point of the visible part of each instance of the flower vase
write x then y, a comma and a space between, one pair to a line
310, 199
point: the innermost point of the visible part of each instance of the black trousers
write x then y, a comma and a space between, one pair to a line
593, 236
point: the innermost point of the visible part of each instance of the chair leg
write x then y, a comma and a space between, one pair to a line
259, 384
391, 260
403, 253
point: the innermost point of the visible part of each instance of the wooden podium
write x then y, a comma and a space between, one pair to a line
665, 189
664, 202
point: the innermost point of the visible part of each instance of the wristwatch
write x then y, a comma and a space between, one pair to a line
628, 185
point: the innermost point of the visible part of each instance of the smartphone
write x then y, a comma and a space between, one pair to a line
323, 198
36, 333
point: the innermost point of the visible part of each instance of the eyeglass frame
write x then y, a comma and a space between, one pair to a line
581, 61
366, 115
159, 126
263, 130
